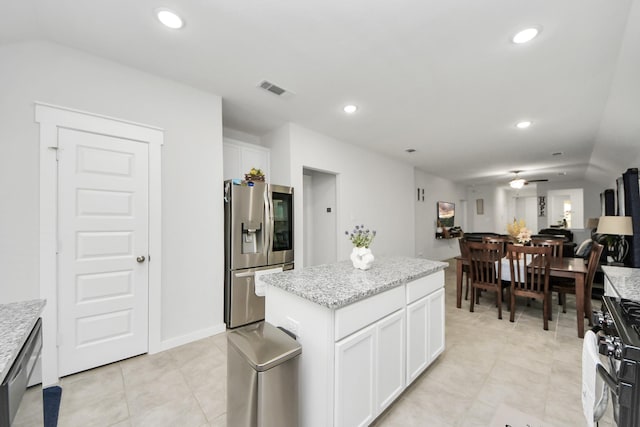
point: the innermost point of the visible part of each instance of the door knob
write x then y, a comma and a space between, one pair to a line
141, 258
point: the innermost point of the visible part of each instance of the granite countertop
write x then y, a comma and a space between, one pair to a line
16, 322
340, 284
625, 281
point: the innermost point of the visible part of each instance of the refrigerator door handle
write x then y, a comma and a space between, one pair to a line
245, 274
268, 221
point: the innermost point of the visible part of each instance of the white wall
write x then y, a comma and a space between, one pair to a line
590, 194
192, 221
278, 142
436, 189
371, 189
494, 204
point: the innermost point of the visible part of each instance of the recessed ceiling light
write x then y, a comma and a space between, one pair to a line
169, 19
557, 153
562, 173
525, 36
410, 150
523, 124
350, 109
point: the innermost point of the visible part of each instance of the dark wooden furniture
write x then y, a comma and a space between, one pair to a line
529, 268
566, 235
555, 244
564, 288
486, 270
464, 267
503, 240
462, 264
573, 268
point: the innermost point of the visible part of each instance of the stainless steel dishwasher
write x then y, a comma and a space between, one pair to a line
21, 405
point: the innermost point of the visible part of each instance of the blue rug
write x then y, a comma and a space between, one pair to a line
51, 402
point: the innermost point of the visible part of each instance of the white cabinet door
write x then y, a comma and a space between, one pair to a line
355, 378
417, 339
436, 324
390, 379
239, 157
231, 161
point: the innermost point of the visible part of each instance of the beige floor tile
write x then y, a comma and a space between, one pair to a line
205, 371
479, 414
146, 368
487, 362
221, 421
146, 397
91, 386
212, 394
181, 411
106, 411
186, 353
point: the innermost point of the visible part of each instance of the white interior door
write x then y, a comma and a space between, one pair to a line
103, 248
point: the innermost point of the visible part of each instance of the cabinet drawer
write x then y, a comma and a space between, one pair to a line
423, 286
360, 314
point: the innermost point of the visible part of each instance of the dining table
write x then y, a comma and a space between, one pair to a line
573, 268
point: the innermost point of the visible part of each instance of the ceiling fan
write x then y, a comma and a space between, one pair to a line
518, 182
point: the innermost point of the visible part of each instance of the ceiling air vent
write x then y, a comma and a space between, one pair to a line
274, 89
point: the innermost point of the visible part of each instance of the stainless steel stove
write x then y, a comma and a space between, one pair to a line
619, 339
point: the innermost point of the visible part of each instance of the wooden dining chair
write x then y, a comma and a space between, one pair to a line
486, 270
556, 245
557, 252
529, 268
503, 240
564, 288
464, 254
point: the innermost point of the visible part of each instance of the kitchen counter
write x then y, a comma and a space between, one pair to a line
337, 285
365, 335
16, 322
624, 280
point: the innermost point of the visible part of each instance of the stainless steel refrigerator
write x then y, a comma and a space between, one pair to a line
258, 236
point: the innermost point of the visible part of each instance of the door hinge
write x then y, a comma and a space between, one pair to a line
149, 258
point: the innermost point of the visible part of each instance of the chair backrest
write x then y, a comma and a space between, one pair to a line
503, 240
484, 262
556, 245
464, 249
592, 266
530, 267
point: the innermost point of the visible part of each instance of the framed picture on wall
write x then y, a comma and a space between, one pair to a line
480, 206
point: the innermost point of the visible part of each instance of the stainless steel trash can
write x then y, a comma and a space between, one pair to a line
262, 377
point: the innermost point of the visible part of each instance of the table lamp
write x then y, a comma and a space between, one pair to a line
592, 224
619, 226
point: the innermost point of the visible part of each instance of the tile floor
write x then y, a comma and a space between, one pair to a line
487, 362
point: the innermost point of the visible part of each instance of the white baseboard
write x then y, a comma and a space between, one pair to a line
194, 336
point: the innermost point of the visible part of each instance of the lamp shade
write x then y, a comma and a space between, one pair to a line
592, 223
615, 225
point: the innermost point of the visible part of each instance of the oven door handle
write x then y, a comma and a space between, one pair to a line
607, 378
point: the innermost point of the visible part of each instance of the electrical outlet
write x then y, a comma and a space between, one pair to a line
292, 326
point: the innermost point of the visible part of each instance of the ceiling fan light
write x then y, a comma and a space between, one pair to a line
526, 35
517, 183
170, 19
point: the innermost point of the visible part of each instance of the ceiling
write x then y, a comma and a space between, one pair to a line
442, 77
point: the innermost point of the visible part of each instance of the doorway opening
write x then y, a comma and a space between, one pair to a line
319, 217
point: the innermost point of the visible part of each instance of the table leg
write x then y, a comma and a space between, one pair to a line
458, 283
580, 303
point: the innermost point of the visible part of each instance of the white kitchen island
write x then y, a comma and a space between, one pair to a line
365, 335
